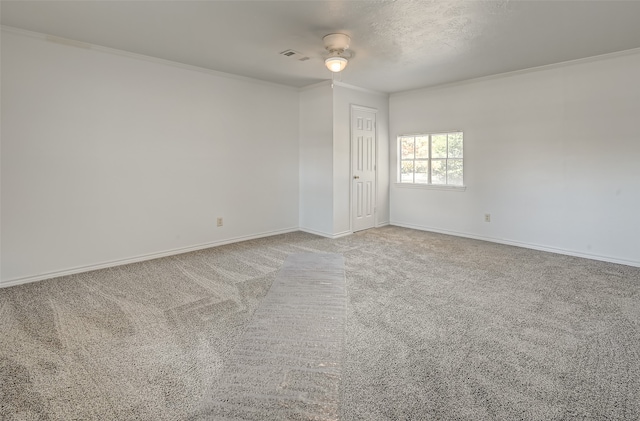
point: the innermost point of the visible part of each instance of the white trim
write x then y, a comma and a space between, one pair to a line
136, 56
551, 66
315, 232
383, 224
521, 244
430, 132
325, 234
357, 88
341, 234
367, 109
314, 85
431, 186
329, 82
141, 258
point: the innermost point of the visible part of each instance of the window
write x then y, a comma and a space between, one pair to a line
431, 159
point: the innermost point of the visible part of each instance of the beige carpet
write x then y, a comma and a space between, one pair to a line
437, 327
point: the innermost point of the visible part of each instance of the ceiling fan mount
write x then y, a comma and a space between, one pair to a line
336, 41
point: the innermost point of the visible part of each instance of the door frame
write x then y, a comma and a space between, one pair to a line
352, 108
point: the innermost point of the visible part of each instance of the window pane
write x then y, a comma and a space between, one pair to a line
439, 146
432, 159
406, 172
438, 171
455, 145
406, 147
422, 174
422, 147
454, 172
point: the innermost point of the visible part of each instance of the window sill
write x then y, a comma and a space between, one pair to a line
431, 187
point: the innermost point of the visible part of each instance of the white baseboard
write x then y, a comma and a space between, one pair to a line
325, 234
521, 244
172, 252
342, 234
141, 258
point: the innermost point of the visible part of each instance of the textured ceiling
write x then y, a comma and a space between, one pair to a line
398, 45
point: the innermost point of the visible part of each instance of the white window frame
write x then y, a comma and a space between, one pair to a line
429, 160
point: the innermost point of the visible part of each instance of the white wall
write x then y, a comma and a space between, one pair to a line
552, 154
344, 97
316, 160
325, 156
106, 158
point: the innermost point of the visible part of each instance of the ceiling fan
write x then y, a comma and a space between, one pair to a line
338, 54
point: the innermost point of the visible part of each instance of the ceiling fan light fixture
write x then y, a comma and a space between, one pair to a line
336, 64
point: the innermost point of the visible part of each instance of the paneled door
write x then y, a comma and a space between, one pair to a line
363, 167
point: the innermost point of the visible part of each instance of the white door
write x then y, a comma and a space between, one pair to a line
363, 168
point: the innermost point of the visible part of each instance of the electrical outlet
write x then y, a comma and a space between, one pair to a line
219, 221
487, 217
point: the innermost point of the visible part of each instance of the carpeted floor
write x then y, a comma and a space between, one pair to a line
287, 363
437, 327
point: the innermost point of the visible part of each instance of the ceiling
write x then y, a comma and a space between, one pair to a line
399, 45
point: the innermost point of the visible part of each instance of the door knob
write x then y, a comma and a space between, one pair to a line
356, 176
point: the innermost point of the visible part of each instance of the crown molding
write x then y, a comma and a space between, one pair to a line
504, 75
136, 56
